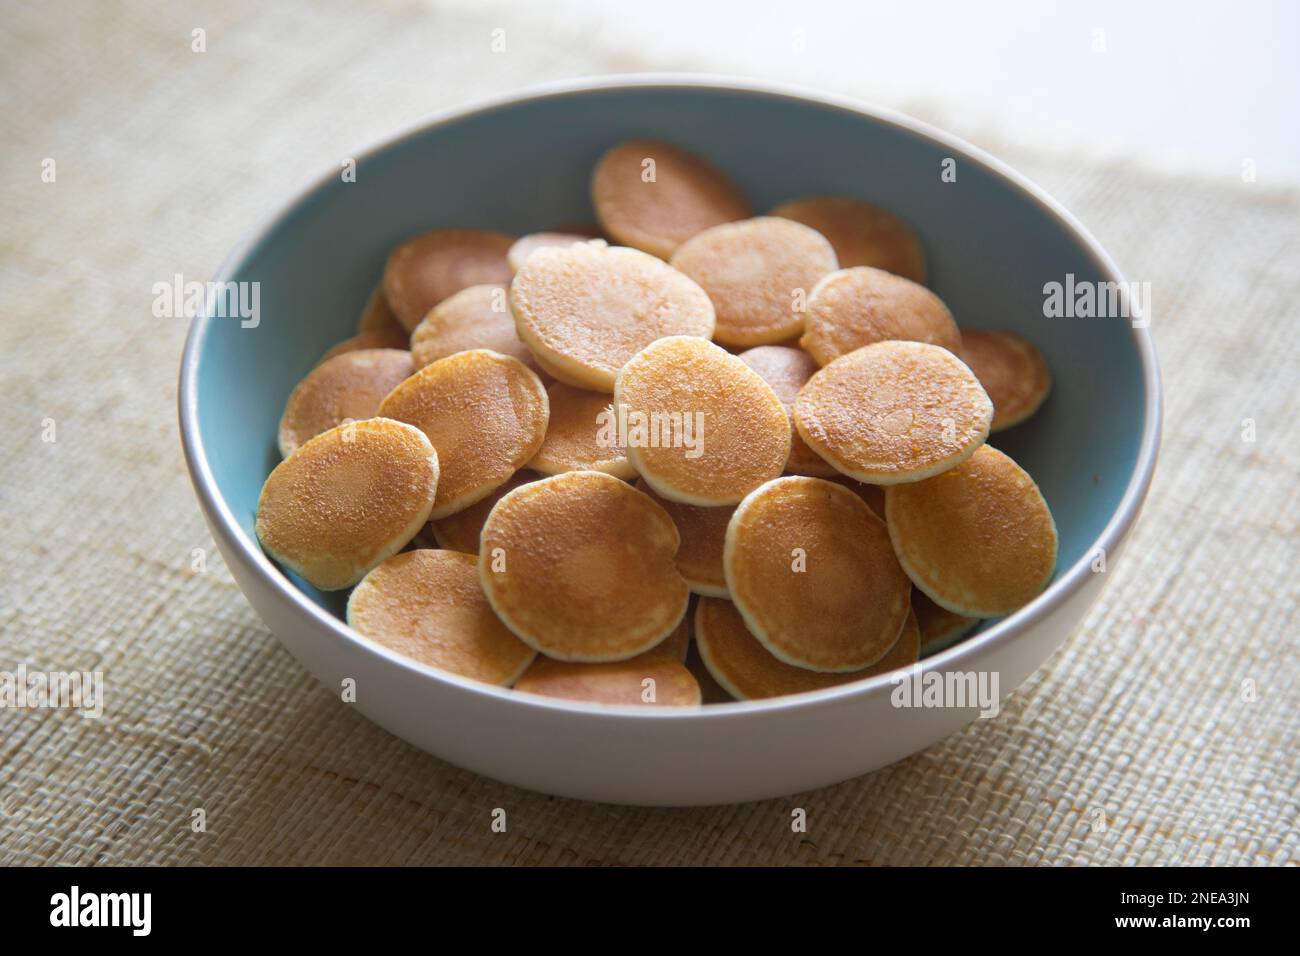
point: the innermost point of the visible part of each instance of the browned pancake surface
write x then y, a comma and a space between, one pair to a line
894, 412
347, 499
486, 413
648, 680
979, 539
584, 310
428, 268
758, 274
653, 196
856, 307
349, 386
704, 533
581, 435
787, 370
812, 571
861, 234
715, 429
429, 606
1011, 370
460, 532
474, 318
580, 566
745, 669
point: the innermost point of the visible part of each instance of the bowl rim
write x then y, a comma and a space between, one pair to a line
999, 634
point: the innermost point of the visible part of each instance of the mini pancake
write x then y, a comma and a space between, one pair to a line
474, 318
743, 667
979, 539
862, 234
378, 317
856, 307
429, 606
368, 340
525, 246
703, 428
347, 500
348, 386
580, 566
581, 435
940, 628
894, 412
811, 570
653, 196
703, 532
486, 414
584, 310
430, 267
1011, 370
757, 273
787, 370
460, 532
615, 682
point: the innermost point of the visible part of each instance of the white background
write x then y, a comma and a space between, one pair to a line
1192, 86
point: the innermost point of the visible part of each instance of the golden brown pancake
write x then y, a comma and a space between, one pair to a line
711, 430
940, 628
429, 606
474, 318
1011, 370
812, 571
979, 539
653, 196
346, 500
758, 274
743, 667
894, 412
486, 414
460, 532
430, 267
581, 435
650, 680
584, 310
580, 566
367, 340
787, 370
856, 307
377, 317
525, 246
862, 234
703, 532
347, 387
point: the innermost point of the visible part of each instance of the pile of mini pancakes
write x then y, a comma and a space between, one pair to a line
689, 455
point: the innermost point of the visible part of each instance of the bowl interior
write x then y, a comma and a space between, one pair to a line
524, 167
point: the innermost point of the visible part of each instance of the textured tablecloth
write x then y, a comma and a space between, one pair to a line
1135, 743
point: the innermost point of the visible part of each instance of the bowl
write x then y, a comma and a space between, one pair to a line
521, 163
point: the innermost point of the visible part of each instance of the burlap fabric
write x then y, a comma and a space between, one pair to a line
1139, 742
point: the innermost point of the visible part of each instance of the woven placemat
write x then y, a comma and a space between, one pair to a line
1139, 742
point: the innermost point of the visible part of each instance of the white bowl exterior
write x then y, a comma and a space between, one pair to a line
655, 759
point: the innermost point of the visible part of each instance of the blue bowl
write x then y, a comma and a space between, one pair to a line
993, 241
